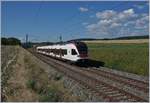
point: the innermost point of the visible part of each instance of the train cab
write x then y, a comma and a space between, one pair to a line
81, 51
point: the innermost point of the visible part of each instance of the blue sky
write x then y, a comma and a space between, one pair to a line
46, 21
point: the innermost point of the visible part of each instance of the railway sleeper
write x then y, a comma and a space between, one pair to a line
101, 94
121, 98
100, 87
129, 98
136, 82
109, 99
124, 81
132, 85
125, 100
125, 78
98, 84
107, 89
104, 88
116, 95
138, 87
112, 92
145, 90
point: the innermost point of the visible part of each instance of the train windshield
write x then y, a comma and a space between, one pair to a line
82, 48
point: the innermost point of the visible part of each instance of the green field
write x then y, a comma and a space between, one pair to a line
133, 58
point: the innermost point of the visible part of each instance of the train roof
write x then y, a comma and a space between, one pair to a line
64, 43
68, 42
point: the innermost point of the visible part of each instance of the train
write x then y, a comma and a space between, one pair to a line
70, 51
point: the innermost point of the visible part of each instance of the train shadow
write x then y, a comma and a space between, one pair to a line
91, 63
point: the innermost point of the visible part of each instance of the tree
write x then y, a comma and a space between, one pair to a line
10, 41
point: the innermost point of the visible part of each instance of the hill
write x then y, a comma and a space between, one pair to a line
118, 38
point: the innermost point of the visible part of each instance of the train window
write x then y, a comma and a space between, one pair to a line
54, 51
73, 52
64, 51
49, 50
57, 51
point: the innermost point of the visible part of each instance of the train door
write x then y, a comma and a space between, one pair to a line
68, 54
60, 52
72, 54
64, 53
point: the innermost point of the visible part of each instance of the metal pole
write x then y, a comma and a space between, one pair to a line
60, 39
26, 40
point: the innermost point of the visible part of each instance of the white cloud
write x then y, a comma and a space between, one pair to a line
105, 22
113, 23
92, 27
116, 16
83, 9
107, 14
126, 14
129, 23
140, 23
129, 11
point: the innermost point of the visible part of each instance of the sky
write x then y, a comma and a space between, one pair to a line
48, 20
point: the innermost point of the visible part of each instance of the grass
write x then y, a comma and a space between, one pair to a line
132, 58
47, 89
50, 94
53, 93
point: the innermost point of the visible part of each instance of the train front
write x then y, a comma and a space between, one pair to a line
83, 51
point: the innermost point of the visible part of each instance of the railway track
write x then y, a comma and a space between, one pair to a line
95, 80
136, 84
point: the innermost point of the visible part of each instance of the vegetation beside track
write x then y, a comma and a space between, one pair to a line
26, 79
48, 88
129, 57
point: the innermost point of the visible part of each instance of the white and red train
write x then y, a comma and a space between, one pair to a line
71, 51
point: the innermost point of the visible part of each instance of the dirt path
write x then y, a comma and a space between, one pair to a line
17, 82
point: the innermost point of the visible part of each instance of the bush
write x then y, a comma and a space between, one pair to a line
50, 94
57, 77
31, 84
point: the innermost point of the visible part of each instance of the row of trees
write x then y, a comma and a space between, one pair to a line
10, 41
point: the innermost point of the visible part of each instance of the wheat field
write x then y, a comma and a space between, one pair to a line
119, 41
